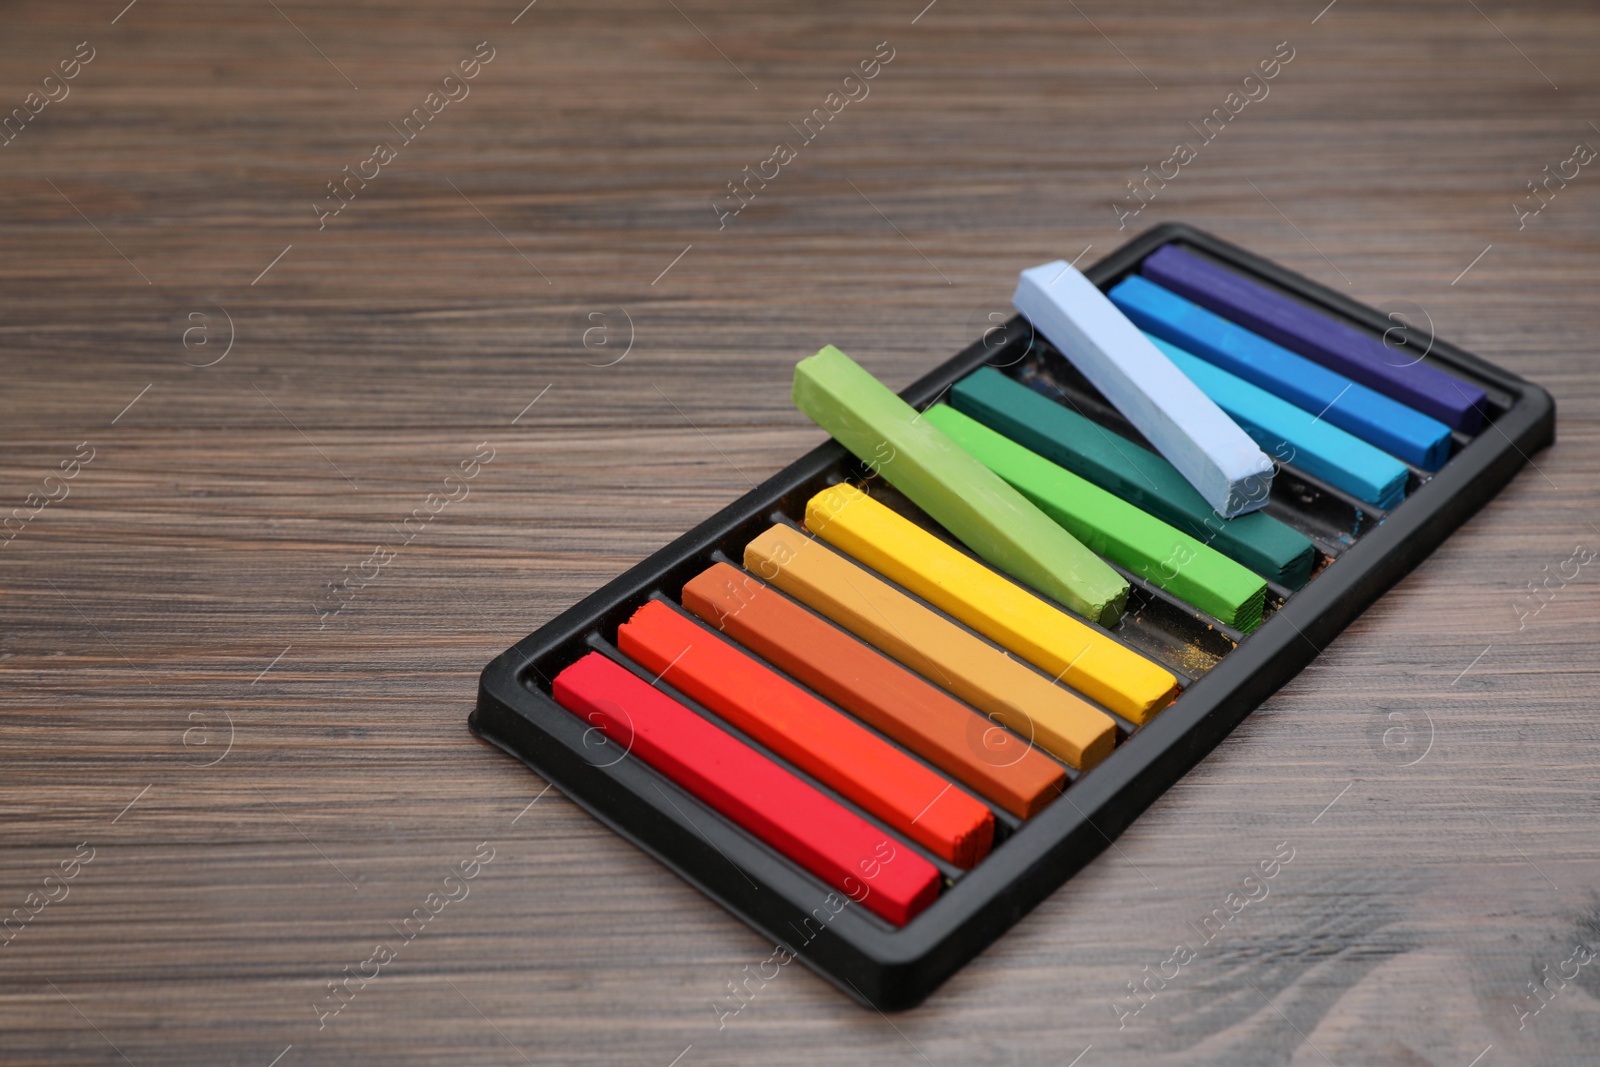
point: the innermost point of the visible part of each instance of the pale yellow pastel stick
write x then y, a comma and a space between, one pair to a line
1055, 719
991, 604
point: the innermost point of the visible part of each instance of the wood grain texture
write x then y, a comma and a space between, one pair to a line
143, 611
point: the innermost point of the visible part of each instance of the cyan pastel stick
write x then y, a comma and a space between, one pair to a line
1381, 422
1216, 457
1296, 436
1318, 337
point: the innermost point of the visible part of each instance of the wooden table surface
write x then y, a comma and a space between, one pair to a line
218, 793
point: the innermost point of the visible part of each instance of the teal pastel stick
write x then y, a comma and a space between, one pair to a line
1135, 474
1295, 436
1382, 422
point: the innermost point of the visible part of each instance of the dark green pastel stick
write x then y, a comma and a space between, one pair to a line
1110, 526
1135, 474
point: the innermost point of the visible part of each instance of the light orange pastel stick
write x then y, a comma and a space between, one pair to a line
1053, 718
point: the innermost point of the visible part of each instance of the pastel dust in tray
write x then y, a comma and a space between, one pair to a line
731, 778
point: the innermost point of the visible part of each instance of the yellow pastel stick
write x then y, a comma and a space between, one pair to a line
996, 607
1055, 719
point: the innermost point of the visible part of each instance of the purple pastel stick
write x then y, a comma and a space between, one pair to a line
1318, 337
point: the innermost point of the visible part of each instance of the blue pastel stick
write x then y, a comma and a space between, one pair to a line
1295, 436
1319, 337
1387, 424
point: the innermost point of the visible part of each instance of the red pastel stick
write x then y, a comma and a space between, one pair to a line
829, 746
819, 834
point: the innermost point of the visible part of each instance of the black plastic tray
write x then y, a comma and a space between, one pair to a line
1363, 551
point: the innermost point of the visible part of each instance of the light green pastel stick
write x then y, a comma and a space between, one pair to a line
1165, 557
941, 478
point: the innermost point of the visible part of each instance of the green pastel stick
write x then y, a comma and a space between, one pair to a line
1135, 474
1114, 528
943, 479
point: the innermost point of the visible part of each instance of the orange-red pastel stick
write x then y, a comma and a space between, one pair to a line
974, 750
827, 745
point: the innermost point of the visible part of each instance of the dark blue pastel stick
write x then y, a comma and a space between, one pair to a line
1318, 337
1388, 424
1295, 436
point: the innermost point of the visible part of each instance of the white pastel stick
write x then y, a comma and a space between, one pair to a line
1186, 426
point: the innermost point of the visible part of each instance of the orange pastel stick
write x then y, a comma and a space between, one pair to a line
974, 750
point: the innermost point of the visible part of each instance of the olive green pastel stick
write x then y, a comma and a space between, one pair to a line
1109, 525
941, 478
1135, 474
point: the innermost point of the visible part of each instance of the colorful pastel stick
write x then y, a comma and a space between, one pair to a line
1322, 338
1001, 610
1132, 473
963, 495
1046, 715
1383, 423
1140, 542
747, 788
1298, 437
1216, 456
980, 755
832, 748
